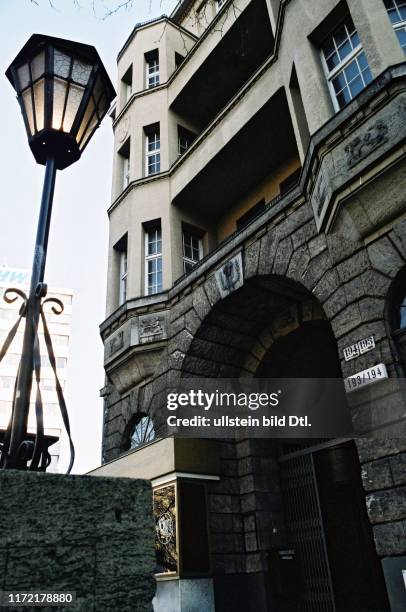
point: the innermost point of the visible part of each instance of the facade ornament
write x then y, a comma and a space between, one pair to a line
363, 145
230, 276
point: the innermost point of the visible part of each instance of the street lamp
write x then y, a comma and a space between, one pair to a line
64, 92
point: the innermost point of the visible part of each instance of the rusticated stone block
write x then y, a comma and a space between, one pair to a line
387, 505
377, 475
200, 303
390, 538
91, 535
353, 266
282, 256
269, 245
385, 257
374, 448
398, 467
251, 256
183, 305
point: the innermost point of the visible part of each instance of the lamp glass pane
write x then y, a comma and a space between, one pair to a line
103, 106
38, 66
59, 101
74, 99
39, 103
61, 64
81, 72
92, 125
23, 76
87, 114
27, 101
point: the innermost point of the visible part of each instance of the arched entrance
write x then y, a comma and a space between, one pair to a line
323, 498
288, 518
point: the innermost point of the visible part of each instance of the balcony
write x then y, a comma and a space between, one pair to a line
229, 52
243, 149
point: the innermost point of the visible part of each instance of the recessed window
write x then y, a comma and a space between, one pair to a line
345, 64
121, 250
123, 277
185, 139
192, 248
178, 59
251, 214
397, 14
152, 68
142, 431
153, 258
152, 149
219, 4
127, 82
124, 163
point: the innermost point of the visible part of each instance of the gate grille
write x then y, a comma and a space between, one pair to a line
305, 532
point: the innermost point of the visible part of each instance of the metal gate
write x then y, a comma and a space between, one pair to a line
305, 532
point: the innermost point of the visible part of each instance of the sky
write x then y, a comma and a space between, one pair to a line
77, 251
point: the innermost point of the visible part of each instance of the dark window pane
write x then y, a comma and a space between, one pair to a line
345, 50
340, 35
339, 82
362, 61
356, 86
351, 71
355, 40
333, 61
367, 76
393, 16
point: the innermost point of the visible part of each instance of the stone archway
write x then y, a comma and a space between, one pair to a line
251, 333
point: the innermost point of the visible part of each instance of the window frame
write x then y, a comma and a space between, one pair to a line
343, 64
219, 5
155, 257
122, 296
152, 153
152, 69
187, 260
399, 25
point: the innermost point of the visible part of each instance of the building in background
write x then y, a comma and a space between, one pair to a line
59, 327
257, 229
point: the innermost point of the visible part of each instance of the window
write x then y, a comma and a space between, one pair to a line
124, 160
185, 139
251, 214
345, 64
122, 268
192, 248
152, 149
178, 59
219, 4
152, 68
397, 14
142, 431
123, 277
153, 259
127, 81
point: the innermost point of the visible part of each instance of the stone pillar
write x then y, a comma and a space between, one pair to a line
378, 38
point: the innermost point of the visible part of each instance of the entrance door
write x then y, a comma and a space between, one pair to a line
327, 525
305, 533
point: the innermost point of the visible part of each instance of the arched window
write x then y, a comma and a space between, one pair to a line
142, 431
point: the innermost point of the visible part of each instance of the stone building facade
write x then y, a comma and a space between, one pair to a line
263, 142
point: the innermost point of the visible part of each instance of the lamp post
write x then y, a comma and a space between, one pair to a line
64, 92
